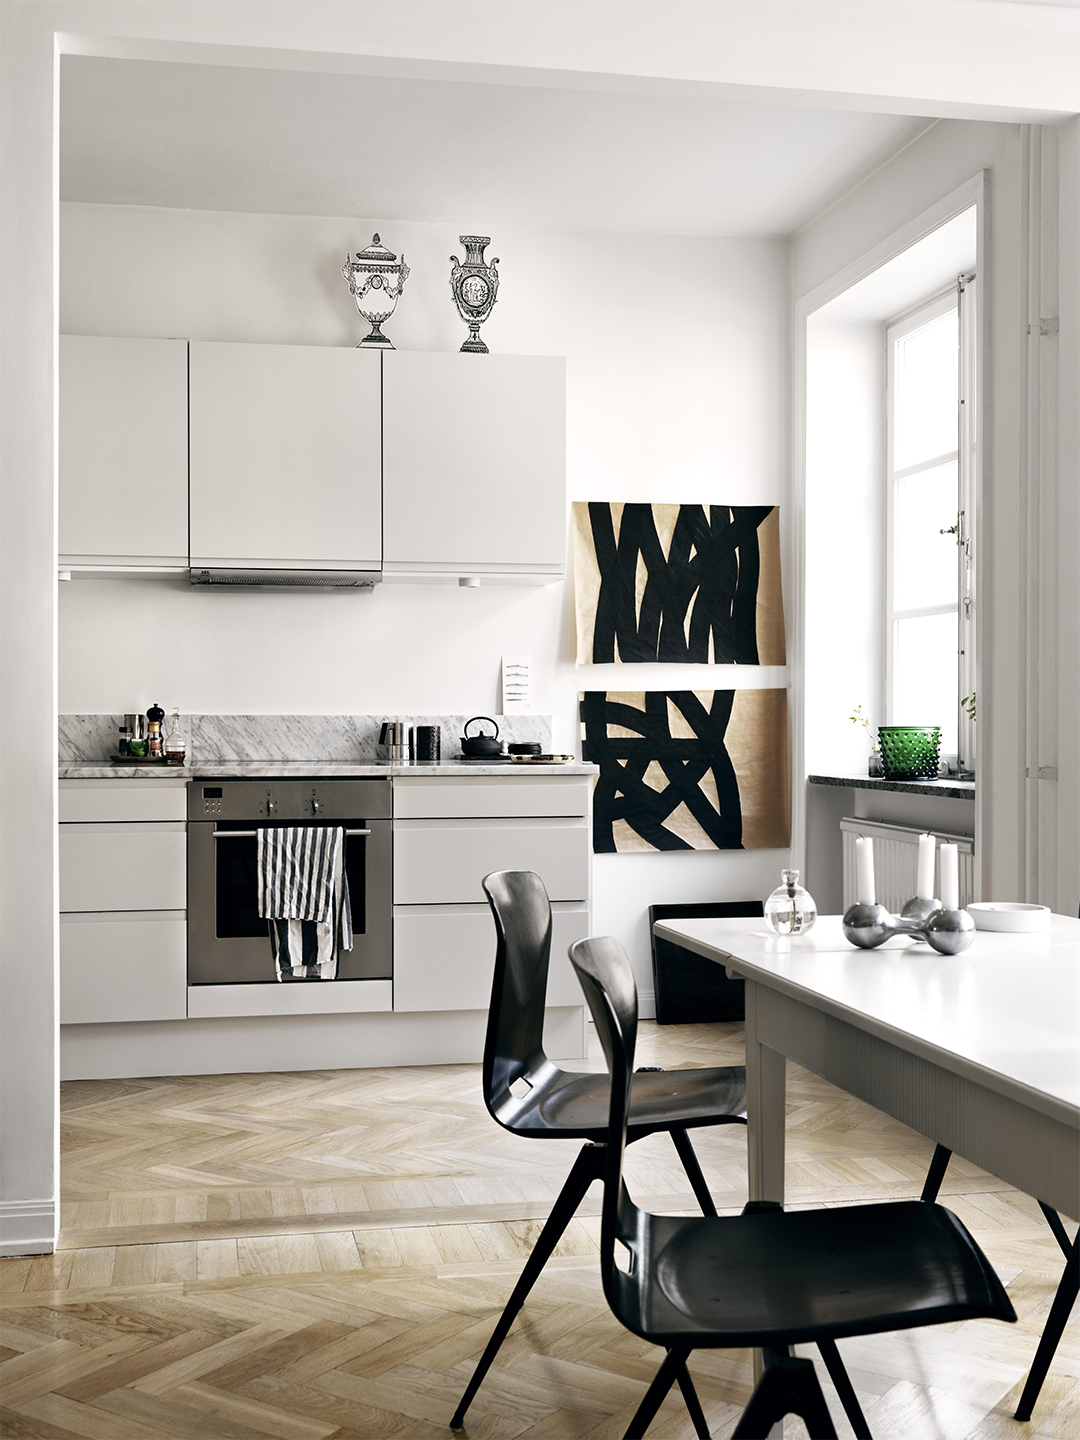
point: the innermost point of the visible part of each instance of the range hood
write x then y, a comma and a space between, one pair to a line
286, 579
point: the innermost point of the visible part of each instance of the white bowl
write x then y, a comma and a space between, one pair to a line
1009, 915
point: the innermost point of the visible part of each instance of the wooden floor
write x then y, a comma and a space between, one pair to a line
324, 1254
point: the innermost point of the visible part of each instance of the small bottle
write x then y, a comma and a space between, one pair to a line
123, 745
155, 715
175, 744
790, 910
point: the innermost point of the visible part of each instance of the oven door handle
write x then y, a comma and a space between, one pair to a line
250, 834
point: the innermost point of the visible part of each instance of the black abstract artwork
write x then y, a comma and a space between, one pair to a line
687, 769
678, 583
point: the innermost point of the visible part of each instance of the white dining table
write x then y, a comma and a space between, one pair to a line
978, 1051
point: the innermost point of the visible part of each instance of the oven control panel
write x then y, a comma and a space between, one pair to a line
290, 801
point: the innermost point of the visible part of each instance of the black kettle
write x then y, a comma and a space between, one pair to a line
478, 745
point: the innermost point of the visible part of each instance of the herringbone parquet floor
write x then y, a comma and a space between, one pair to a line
324, 1254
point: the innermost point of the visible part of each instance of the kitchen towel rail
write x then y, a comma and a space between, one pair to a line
250, 834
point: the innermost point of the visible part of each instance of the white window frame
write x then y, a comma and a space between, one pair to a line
960, 296
968, 485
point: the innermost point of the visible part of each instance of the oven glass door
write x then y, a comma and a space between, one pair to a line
236, 884
228, 941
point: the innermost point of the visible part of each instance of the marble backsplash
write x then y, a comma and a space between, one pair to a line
214, 739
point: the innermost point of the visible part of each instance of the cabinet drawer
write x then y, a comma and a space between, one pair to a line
93, 800
123, 867
443, 861
444, 956
489, 795
123, 967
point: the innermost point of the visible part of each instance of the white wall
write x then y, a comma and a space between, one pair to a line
699, 417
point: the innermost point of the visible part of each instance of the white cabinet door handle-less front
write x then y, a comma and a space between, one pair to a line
474, 464
123, 438
285, 457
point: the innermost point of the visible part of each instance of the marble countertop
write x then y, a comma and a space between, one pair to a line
305, 769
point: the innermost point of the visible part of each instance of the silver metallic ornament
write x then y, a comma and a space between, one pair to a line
947, 931
376, 279
474, 287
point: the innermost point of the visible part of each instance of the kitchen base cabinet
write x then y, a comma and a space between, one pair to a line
449, 833
123, 966
444, 861
123, 901
444, 956
127, 866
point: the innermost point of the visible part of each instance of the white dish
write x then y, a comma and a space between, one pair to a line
1009, 915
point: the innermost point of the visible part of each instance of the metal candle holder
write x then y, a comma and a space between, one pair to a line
948, 931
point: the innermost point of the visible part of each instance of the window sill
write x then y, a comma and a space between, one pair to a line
949, 787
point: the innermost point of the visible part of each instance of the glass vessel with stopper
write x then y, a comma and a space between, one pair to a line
790, 910
175, 744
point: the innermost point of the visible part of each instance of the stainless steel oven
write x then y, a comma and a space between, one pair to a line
228, 944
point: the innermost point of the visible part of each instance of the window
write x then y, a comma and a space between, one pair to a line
929, 609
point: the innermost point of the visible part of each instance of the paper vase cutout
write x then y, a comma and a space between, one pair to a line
678, 583
687, 769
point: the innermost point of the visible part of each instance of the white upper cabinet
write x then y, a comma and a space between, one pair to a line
285, 456
123, 451
474, 464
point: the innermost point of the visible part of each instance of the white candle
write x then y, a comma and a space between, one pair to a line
864, 867
924, 886
950, 877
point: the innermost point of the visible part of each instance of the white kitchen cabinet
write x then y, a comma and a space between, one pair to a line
128, 866
123, 452
285, 457
443, 861
474, 465
449, 833
444, 956
123, 966
123, 901
491, 796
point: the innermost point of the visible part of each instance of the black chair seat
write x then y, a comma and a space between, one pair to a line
787, 1278
574, 1106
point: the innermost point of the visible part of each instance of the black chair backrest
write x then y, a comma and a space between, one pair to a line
608, 983
514, 1046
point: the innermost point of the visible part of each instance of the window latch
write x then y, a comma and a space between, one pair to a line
952, 530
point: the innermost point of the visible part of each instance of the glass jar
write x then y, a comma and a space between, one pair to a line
175, 744
790, 910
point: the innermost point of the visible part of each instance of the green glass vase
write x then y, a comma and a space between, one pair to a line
909, 752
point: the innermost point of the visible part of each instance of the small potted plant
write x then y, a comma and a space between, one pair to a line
873, 764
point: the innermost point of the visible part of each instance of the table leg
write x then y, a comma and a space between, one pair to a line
765, 1116
765, 1109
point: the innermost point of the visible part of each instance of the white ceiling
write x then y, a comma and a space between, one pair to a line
296, 142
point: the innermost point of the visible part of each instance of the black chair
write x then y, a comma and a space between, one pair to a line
767, 1278
528, 1095
1064, 1297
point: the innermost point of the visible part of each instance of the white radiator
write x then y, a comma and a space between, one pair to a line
896, 859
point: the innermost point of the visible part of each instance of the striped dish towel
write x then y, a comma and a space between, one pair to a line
304, 896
